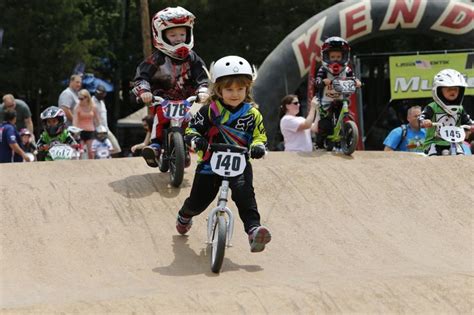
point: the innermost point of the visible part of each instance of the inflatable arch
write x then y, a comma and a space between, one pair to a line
283, 71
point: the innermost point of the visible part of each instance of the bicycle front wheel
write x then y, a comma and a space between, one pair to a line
350, 137
219, 235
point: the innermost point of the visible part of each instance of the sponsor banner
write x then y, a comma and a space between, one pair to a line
412, 76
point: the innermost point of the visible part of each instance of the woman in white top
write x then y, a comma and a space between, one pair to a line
297, 130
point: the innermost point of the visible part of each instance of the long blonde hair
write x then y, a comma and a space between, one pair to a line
227, 81
84, 93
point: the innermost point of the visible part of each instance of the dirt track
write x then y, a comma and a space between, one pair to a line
375, 233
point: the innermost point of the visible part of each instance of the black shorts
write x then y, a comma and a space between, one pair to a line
87, 135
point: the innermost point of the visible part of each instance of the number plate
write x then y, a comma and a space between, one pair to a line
452, 134
228, 164
175, 110
61, 152
344, 86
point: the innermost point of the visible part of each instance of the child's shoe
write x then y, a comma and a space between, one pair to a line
258, 237
150, 155
183, 225
187, 160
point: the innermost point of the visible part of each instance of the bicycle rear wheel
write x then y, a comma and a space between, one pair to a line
219, 235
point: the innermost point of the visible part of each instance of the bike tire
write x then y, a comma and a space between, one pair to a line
177, 159
350, 137
219, 235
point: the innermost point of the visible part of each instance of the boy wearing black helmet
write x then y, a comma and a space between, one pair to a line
335, 60
55, 131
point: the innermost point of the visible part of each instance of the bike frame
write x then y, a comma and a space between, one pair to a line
336, 135
221, 210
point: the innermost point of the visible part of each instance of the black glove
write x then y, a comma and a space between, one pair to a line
257, 151
199, 143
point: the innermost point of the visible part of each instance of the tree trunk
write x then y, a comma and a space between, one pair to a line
146, 35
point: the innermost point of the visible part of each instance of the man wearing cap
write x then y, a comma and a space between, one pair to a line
23, 113
98, 98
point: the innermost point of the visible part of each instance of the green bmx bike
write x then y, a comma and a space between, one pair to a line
346, 134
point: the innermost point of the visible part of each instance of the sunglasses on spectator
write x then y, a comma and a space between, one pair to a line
295, 102
82, 98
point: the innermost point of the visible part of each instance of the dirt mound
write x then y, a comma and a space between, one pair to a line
376, 232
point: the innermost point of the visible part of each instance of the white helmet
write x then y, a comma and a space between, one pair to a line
231, 65
449, 78
101, 133
169, 18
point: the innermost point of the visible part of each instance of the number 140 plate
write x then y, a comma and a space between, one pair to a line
228, 164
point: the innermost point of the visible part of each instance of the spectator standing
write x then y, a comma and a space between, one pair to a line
297, 130
69, 97
23, 113
9, 139
409, 137
98, 100
86, 117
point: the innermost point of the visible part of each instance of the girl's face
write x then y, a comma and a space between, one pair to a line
176, 35
25, 139
234, 94
450, 93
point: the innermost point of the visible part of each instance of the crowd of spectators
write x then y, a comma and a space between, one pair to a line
84, 115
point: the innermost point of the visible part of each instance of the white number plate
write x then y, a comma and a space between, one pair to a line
345, 86
61, 152
175, 110
228, 164
452, 134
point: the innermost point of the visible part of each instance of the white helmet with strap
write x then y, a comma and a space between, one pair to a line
449, 78
170, 18
232, 65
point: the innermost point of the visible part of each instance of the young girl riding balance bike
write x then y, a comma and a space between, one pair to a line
231, 117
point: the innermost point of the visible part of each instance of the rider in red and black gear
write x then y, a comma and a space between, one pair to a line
335, 60
173, 72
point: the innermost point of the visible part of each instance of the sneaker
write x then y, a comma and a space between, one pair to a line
183, 225
149, 154
258, 237
187, 160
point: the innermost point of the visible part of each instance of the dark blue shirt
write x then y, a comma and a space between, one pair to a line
8, 135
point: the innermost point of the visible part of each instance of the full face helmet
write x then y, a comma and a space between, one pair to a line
449, 78
231, 65
169, 18
335, 44
101, 133
53, 112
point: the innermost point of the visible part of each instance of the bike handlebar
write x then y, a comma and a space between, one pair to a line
215, 147
435, 124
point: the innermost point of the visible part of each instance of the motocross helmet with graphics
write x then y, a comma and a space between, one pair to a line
449, 78
335, 44
170, 18
53, 112
101, 133
232, 65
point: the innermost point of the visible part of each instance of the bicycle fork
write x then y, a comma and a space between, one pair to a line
221, 209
